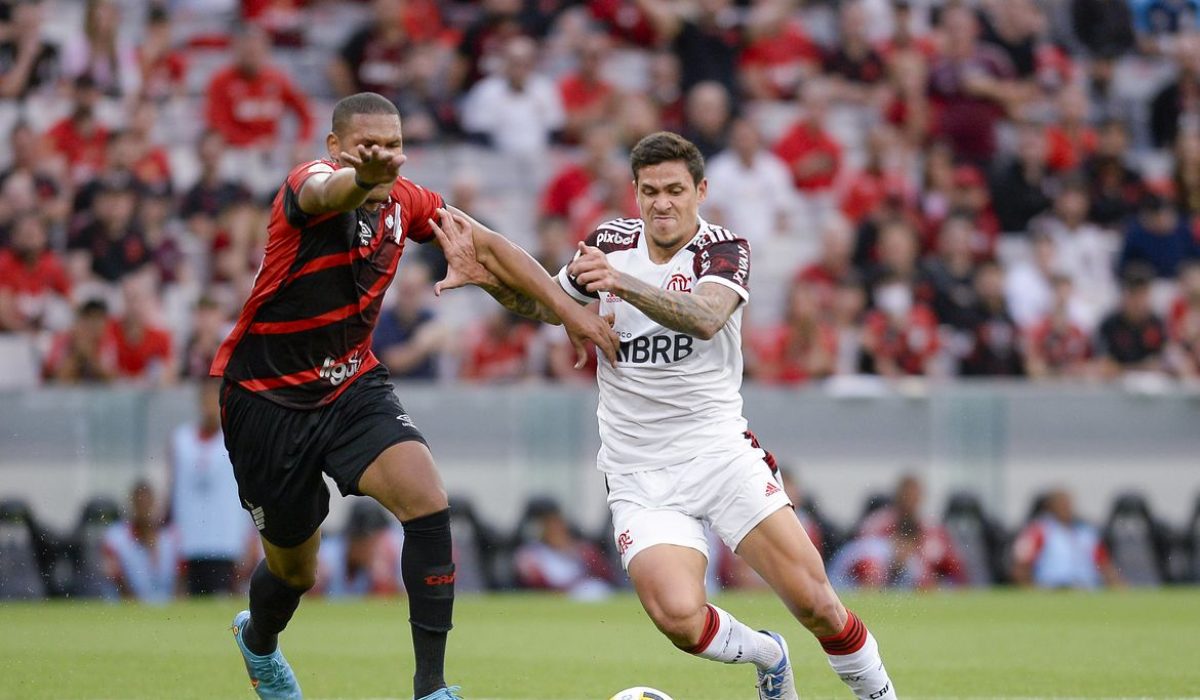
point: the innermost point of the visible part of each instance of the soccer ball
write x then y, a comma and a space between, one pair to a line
641, 693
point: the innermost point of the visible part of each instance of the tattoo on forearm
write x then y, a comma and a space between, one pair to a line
693, 314
520, 304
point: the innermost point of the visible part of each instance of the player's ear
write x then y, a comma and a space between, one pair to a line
333, 145
702, 189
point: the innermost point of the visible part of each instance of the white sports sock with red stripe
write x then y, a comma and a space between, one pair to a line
731, 642
854, 655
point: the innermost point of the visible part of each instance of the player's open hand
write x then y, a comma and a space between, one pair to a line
374, 166
453, 232
591, 270
585, 325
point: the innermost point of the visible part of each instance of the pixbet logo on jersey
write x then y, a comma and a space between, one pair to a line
339, 372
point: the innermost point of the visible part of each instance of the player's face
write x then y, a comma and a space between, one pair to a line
669, 202
369, 130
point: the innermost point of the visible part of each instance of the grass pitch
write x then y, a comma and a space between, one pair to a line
529, 647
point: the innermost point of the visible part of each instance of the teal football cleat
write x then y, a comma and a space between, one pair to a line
777, 683
270, 676
450, 693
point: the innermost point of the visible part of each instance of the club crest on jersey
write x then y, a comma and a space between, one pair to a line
338, 372
679, 283
394, 225
365, 234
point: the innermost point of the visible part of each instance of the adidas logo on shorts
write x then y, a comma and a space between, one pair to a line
772, 489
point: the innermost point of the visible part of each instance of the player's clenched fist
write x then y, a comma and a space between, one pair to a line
591, 270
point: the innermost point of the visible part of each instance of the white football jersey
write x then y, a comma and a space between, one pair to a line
672, 396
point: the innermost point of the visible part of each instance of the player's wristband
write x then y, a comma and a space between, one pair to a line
360, 184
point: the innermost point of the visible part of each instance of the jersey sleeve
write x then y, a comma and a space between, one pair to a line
726, 263
417, 206
573, 289
291, 189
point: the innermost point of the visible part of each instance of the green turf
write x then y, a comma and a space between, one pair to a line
996, 644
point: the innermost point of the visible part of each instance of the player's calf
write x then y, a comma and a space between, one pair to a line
427, 566
273, 601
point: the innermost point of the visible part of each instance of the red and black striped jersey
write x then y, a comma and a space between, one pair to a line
304, 334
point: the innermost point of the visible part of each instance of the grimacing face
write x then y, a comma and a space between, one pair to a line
369, 130
669, 202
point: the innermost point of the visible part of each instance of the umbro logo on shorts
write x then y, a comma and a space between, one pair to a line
772, 489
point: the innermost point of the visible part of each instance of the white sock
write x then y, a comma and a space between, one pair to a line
731, 642
862, 669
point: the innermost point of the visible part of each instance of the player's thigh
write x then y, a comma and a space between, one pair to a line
780, 551
276, 454
669, 581
404, 480
378, 451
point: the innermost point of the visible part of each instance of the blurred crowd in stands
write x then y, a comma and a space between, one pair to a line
189, 542
931, 187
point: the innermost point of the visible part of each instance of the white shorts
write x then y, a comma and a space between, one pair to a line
731, 491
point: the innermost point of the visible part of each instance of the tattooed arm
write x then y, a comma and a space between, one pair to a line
701, 314
517, 302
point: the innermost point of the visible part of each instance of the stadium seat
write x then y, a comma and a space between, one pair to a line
88, 538
1138, 544
476, 549
20, 573
980, 541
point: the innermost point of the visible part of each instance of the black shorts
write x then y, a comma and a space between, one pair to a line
279, 453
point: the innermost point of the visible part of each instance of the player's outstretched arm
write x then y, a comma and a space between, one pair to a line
702, 313
517, 281
346, 189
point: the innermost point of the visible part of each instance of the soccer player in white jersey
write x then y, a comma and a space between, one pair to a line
675, 449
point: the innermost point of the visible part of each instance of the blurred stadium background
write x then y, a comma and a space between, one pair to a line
975, 327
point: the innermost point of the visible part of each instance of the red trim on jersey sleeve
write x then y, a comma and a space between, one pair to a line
301, 173
417, 206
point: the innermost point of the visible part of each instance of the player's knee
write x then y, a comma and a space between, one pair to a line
299, 576
820, 610
680, 619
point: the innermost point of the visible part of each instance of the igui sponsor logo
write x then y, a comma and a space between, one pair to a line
338, 372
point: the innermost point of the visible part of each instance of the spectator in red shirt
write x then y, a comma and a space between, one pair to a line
589, 100
247, 100
144, 349
778, 58
900, 336
897, 546
801, 348
1070, 139
571, 183
834, 261
1056, 346
499, 350
80, 138
33, 280
152, 165
971, 86
813, 155
163, 66
908, 107
881, 177
972, 199
86, 352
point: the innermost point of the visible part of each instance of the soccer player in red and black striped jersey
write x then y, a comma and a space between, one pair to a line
303, 394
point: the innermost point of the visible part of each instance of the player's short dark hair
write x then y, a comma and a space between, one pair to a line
663, 147
360, 103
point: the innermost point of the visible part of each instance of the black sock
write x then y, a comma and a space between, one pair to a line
427, 565
272, 603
